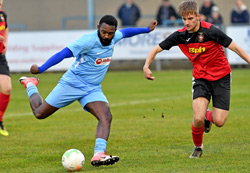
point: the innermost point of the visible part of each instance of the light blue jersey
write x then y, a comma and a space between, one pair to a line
82, 81
92, 59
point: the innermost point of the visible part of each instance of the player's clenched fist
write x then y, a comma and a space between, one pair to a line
34, 69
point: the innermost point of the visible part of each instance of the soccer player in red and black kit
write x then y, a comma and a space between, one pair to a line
5, 80
202, 43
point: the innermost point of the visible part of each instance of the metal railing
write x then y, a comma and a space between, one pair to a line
66, 19
17, 27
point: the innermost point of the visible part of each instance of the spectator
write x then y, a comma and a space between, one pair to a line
215, 17
240, 13
129, 13
206, 9
166, 12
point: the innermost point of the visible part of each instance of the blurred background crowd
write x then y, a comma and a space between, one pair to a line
129, 13
63, 14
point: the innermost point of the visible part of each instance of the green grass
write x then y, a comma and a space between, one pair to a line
151, 127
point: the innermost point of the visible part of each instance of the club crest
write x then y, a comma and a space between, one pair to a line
200, 36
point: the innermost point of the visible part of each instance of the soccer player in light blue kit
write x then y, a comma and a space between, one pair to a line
81, 82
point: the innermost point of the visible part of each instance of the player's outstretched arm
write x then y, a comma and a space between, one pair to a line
149, 60
237, 49
55, 59
130, 32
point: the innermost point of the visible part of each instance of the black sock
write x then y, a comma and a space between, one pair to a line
1, 125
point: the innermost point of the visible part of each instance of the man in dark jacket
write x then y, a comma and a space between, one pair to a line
166, 12
240, 13
206, 9
129, 13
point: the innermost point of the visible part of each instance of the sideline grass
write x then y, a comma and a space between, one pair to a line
151, 128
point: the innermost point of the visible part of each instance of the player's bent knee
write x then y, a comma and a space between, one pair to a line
110, 118
39, 115
219, 124
198, 120
106, 118
6, 91
220, 121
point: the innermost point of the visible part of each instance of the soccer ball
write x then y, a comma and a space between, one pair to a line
73, 160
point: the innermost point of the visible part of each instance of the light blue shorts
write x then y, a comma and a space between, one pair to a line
64, 94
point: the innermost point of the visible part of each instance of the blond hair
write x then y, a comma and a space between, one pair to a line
188, 7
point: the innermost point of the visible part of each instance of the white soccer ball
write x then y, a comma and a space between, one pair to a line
73, 160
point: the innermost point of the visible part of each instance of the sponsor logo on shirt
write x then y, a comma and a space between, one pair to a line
102, 61
2, 27
197, 50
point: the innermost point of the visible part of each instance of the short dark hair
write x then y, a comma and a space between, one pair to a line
108, 19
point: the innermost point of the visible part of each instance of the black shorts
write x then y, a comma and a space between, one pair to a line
4, 68
219, 90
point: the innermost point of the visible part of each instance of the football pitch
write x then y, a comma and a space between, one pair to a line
150, 131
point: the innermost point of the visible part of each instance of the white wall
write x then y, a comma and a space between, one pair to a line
27, 48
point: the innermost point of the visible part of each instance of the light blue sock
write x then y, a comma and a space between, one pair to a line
100, 145
31, 89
